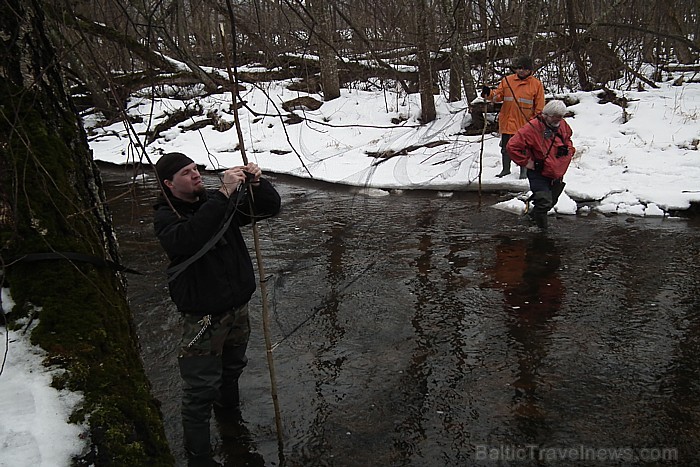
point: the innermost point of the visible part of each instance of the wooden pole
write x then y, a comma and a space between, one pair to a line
485, 109
233, 77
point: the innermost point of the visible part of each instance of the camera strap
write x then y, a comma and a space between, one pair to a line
176, 270
547, 129
546, 154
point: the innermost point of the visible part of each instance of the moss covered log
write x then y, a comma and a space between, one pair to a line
51, 201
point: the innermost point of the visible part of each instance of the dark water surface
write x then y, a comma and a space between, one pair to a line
427, 330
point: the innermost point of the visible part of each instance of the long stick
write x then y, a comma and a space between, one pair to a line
483, 130
233, 76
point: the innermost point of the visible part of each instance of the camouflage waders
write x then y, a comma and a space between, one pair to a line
212, 357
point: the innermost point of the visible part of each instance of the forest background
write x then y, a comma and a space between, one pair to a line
114, 48
64, 59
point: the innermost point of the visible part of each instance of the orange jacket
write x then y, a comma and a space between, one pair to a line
522, 100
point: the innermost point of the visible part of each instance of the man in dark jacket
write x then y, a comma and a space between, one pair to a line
211, 280
543, 146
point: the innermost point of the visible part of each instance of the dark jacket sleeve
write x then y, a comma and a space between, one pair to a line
266, 203
185, 235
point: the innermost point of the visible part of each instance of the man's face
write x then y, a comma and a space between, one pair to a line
522, 72
552, 120
186, 183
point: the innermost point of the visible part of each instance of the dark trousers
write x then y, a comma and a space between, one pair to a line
210, 366
505, 157
545, 194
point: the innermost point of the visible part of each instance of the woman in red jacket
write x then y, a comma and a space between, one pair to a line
544, 147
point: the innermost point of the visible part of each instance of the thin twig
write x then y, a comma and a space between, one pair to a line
233, 76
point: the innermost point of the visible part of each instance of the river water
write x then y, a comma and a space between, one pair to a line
421, 329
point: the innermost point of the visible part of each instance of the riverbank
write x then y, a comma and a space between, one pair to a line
640, 160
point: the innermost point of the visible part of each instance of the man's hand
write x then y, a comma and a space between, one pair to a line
253, 170
234, 177
485, 92
231, 180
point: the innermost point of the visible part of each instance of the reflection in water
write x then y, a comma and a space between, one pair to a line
327, 364
410, 430
412, 340
434, 389
527, 272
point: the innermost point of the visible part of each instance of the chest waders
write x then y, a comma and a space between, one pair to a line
212, 357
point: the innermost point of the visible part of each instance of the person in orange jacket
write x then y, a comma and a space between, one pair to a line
543, 147
522, 96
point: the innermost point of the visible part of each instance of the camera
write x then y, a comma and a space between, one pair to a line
562, 151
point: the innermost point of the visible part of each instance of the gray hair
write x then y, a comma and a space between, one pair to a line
554, 108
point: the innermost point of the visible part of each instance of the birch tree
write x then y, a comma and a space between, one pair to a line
59, 251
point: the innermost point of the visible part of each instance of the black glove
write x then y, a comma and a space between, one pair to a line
485, 92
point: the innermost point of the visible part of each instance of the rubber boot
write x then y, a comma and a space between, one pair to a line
201, 376
557, 190
238, 447
233, 361
230, 424
543, 203
505, 160
528, 220
540, 219
228, 403
208, 462
198, 445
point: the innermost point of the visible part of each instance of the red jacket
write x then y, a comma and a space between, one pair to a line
530, 142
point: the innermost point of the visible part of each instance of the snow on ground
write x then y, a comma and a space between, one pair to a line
34, 427
642, 160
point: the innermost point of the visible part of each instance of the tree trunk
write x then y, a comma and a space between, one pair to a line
529, 17
425, 73
51, 202
576, 50
676, 26
457, 69
323, 31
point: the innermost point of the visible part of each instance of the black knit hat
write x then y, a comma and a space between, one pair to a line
169, 164
524, 62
